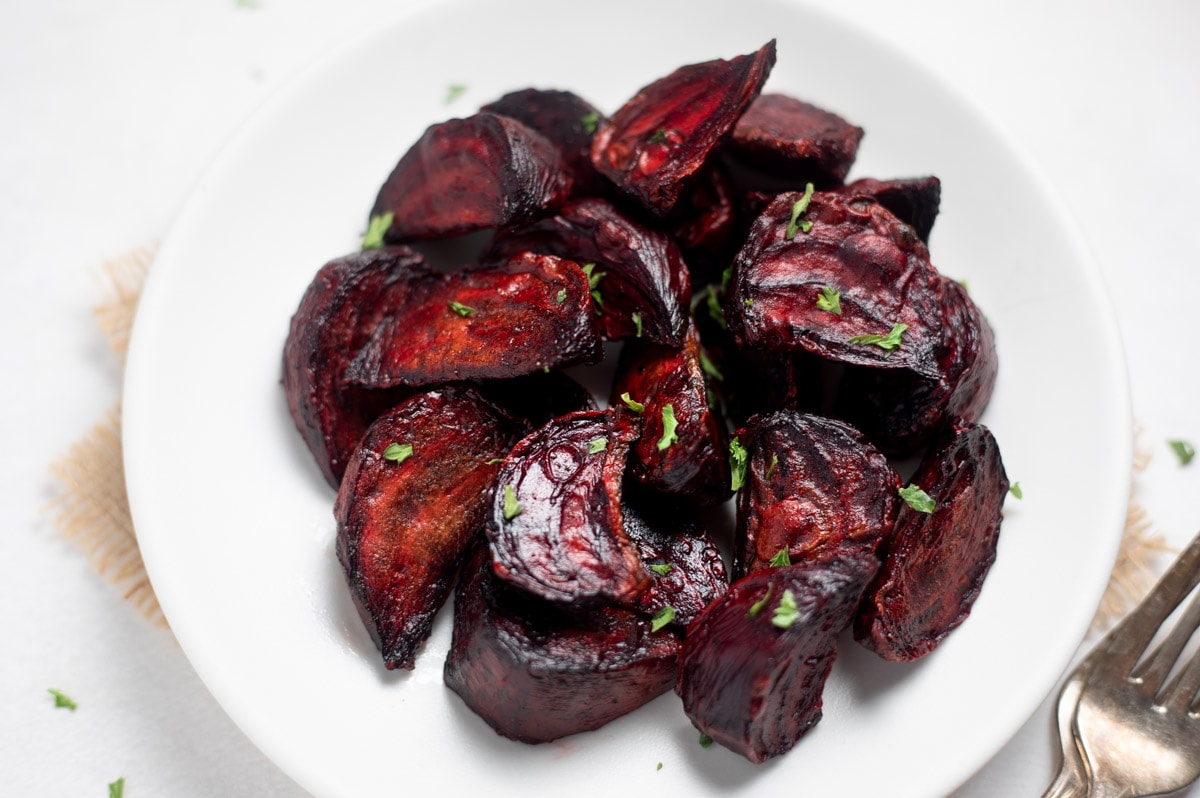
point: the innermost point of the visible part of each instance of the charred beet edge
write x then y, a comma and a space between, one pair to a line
536, 671
539, 397
915, 201
682, 449
337, 315
662, 136
462, 175
525, 315
413, 500
640, 282
815, 488
556, 527
936, 562
754, 664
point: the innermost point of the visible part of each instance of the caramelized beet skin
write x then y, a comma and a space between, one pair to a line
663, 135
556, 527
814, 487
463, 175
790, 139
536, 671
404, 526
525, 315
936, 562
340, 309
637, 273
753, 686
914, 200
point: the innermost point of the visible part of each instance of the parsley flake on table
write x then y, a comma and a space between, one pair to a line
669, 426
886, 342
1015, 490
117, 788
787, 613
398, 452
781, 558
454, 91
917, 499
1183, 450
796, 224
62, 700
830, 299
589, 122
376, 228
632, 403
705, 741
662, 618
737, 464
512, 507
466, 311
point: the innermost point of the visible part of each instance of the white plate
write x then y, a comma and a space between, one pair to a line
235, 523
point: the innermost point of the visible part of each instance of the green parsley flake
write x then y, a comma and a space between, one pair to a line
561, 296
463, 310
771, 467
917, 499
830, 299
637, 323
62, 701
738, 457
398, 452
454, 91
669, 427
659, 136
597, 445
886, 342
787, 613
758, 606
705, 740
1015, 490
590, 122
632, 403
512, 507
494, 461
594, 278
795, 225
710, 368
659, 766
780, 558
1183, 450
376, 228
662, 618
661, 568
117, 788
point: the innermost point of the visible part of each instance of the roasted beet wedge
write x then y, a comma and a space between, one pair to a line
340, 310
814, 488
540, 397
936, 561
640, 282
754, 663
412, 501
915, 201
463, 175
536, 671
682, 449
556, 527
661, 137
793, 142
706, 224
525, 315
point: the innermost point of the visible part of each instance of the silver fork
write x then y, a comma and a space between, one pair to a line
1138, 730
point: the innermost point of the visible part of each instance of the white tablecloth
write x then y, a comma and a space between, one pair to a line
110, 111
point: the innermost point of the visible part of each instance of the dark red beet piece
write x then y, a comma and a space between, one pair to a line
794, 142
753, 686
915, 200
463, 175
556, 527
936, 562
536, 671
705, 223
525, 315
637, 273
815, 488
539, 397
340, 310
405, 522
663, 135
670, 383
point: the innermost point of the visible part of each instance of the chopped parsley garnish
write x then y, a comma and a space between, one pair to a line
632, 403
748, 303
596, 445
398, 452
659, 766
512, 507
669, 427
1183, 450
660, 568
463, 310
62, 701
1015, 490
886, 342
830, 299
781, 558
454, 91
373, 238
758, 606
561, 296
662, 618
771, 467
594, 278
787, 613
796, 224
117, 788
637, 323
494, 461
590, 122
917, 499
710, 368
705, 740
737, 464
659, 136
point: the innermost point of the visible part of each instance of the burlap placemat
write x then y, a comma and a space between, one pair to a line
91, 509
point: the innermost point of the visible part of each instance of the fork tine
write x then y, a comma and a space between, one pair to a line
1153, 671
1180, 694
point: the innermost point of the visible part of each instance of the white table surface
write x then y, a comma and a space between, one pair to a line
110, 111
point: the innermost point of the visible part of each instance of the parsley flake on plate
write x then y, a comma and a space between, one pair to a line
376, 228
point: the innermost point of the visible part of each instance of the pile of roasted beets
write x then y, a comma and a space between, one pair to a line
785, 340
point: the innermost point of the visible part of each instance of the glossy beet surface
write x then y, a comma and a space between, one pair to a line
470, 174
661, 137
794, 142
815, 488
412, 501
755, 686
556, 526
936, 562
537, 671
336, 317
915, 201
522, 316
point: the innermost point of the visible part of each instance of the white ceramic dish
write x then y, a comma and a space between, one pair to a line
235, 522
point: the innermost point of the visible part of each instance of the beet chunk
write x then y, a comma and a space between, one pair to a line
914, 200
339, 311
556, 527
463, 175
815, 488
413, 500
936, 562
536, 671
662, 136
525, 315
754, 664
